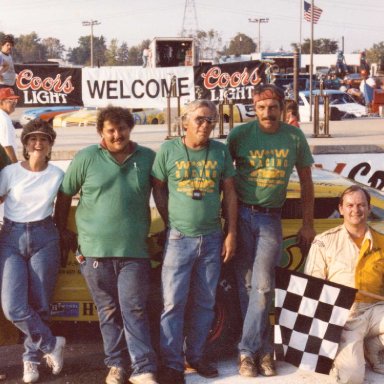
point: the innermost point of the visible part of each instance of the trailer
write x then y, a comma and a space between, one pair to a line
172, 52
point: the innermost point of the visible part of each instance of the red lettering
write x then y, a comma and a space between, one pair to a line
26, 79
215, 78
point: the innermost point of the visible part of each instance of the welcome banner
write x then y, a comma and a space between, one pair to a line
136, 87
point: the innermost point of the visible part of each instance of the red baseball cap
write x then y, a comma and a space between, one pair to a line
7, 93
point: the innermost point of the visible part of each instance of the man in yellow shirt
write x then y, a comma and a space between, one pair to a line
352, 254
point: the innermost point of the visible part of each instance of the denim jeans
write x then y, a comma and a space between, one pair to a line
259, 249
119, 288
29, 263
190, 273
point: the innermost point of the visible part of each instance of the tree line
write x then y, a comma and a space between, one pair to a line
31, 48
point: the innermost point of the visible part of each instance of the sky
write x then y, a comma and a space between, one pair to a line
360, 22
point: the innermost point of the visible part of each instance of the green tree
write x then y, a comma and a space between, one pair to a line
375, 53
241, 44
53, 48
209, 43
111, 54
135, 55
123, 54
319, 46
29, 48
81, 55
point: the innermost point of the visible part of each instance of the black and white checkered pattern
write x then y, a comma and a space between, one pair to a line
310, 315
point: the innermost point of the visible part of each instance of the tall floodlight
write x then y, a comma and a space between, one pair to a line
91, 23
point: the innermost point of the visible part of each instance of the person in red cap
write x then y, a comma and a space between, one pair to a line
265, 152
7, 70
8, 101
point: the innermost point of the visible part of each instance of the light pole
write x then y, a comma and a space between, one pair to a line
259, 21
91, 23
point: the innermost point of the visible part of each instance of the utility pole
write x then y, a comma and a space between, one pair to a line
91, 23
259, 21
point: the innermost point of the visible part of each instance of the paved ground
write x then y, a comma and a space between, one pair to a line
84, 364
348, 136
84, 356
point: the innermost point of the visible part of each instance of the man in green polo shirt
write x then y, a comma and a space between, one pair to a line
190, 174
113, 219
265, 152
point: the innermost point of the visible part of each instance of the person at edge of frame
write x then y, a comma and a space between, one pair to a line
30, 248
352, 254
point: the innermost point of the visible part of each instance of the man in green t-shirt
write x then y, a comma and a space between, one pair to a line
190, 174
265, 152
113, 219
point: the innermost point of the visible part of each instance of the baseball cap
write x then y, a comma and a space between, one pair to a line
38, 126
8, 93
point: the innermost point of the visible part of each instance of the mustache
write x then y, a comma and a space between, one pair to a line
269, 119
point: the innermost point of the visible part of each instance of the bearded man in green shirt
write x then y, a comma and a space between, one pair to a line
265, 151
113, 219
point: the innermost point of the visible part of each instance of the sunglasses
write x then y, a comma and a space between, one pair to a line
199, 120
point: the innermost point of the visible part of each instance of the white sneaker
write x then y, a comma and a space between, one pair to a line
143, 378
55, 359
31, 373
116, 375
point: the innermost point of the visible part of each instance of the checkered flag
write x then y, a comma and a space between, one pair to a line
310, 315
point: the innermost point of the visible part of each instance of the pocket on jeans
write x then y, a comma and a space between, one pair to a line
174, 234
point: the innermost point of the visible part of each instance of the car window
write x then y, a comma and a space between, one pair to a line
336, 99
324, 208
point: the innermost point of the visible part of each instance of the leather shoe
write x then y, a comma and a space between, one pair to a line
247, 366
168, 375
205, 369
266, 365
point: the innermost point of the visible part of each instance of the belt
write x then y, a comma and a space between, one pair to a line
29, 223
259, 208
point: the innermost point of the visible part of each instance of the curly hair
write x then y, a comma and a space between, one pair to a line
114, 115
7, 39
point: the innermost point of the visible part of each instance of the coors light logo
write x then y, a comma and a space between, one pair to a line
236, 85
49, 90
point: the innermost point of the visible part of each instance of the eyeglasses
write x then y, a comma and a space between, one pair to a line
13, 101
200, 120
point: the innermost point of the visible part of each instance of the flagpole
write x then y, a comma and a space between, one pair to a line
311, 62
373, 295
301, 2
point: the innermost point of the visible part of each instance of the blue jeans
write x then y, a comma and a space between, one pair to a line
29, 263
259, 250
119, 288
190, 273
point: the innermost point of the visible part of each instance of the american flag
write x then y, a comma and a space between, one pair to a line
308, 12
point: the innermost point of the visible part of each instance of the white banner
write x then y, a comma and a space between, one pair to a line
136, 87
366, 168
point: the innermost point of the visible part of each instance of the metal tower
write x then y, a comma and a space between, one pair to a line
190, 25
